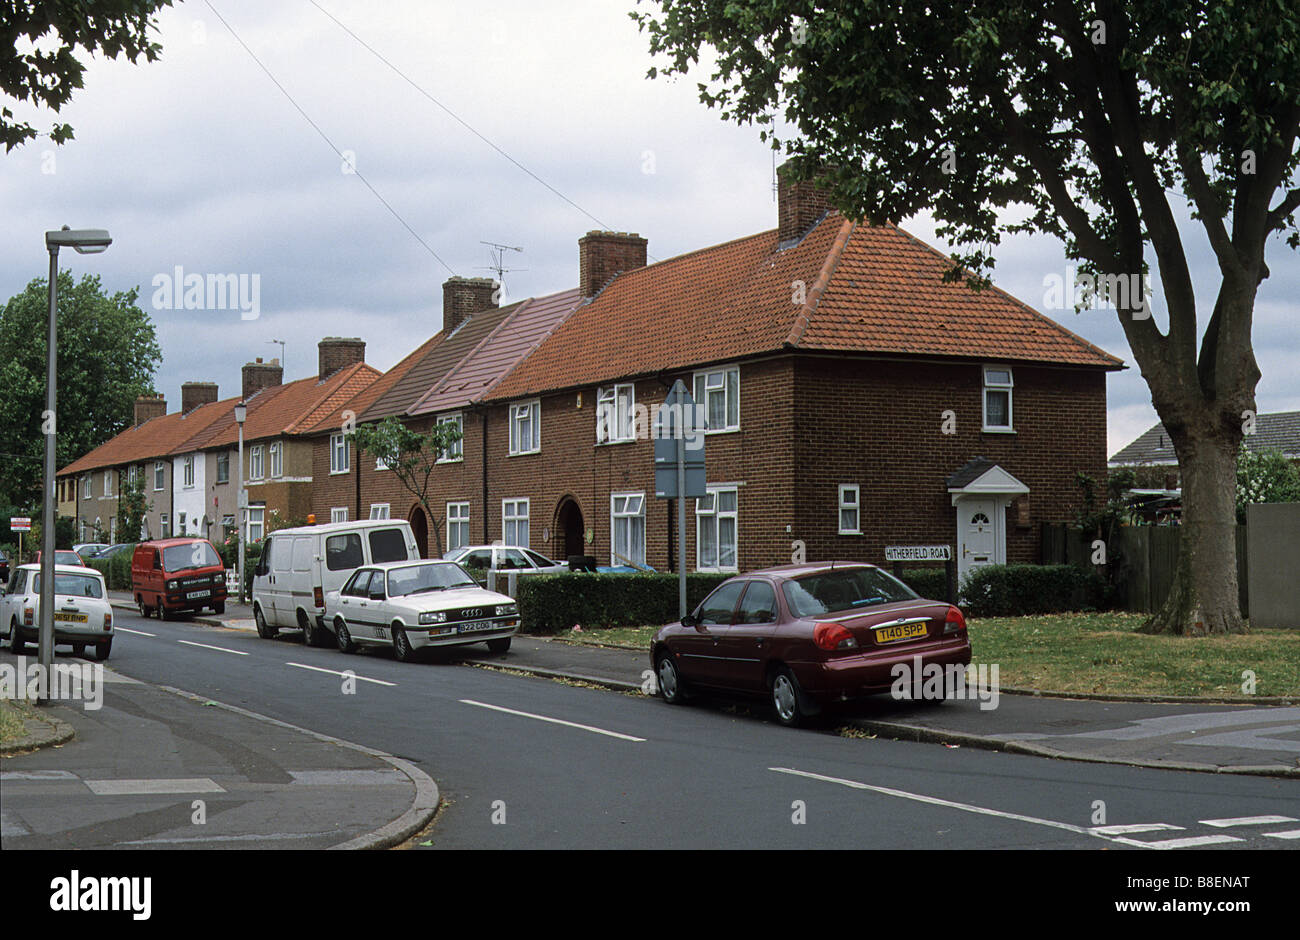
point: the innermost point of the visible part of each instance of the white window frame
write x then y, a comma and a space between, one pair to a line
108, 483
226, 455
379, 511
616, 413
256, 463
338, 514
259, 523
846, 505
456, 452
513, 515
340, 457
700, 392
165, 526
532, 412
711, 516
277, 460
88, 486
456, 519
990, 386
159, 476
131, 474
187, 468
622, 551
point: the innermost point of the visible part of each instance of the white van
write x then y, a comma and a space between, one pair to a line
300, 566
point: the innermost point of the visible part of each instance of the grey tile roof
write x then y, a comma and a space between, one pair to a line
972, 471
1277, 431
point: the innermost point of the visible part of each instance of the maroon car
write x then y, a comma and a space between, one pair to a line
806, 636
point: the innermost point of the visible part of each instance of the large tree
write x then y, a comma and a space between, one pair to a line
108, 354
1094, 122
38, 52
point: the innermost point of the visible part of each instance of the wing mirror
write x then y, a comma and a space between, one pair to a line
690, 620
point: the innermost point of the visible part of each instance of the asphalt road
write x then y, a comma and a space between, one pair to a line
530, 763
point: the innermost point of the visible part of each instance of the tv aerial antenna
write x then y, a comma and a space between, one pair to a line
498, 253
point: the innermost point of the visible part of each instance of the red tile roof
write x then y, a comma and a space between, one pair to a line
155, 438
864, 289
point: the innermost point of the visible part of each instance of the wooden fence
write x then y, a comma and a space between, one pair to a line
1146, 557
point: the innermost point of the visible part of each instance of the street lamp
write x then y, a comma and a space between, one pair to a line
87, 241
241, 495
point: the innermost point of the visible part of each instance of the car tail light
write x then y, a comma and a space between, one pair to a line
955, 622
108, 621
834, 636
29, 614
318, 596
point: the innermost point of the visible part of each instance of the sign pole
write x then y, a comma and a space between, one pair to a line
681, 521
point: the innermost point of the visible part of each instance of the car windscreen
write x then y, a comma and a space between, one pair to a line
387, 545
422, 579
193, 555
848, 589
78, 585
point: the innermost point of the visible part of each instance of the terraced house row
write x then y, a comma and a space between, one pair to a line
852, 400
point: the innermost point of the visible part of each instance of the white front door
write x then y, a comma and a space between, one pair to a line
977, 534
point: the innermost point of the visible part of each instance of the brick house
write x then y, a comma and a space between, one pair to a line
853, 400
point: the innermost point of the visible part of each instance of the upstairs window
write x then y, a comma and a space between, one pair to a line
188, 468
277, 460
256, 463
159, 475
525, 428
339, 462
850, 509
453, 451
615, 414
717, 396
223, 467
997, 398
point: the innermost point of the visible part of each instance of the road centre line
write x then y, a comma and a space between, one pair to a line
219, 649
1247, 821
1130, 828
1287, 834
554, 721
345, 675
136, 632
1187, 843
965, 807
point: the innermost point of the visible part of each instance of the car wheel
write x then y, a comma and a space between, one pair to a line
787, 699
402, 648
343, 636
671, 686
499, 646
145, 610
308, 633
219, 608
78, 649
103, 649
16, 641
264, 630
164, 613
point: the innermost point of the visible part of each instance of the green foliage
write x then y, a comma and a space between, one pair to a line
1017, 590
48, 78
411, 457
65, 533
132, 507
108, 353
930, 583
556, 603
116, 570
1266, 477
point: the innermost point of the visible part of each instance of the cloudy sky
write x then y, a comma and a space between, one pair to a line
200, 161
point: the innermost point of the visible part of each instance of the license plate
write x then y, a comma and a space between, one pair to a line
194, 595
905, 631
73, 618
474, 626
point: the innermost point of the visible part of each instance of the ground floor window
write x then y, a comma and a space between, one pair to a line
514, 522
715, 530
627, 528
339, 514
379, 510
256, 523
457, 526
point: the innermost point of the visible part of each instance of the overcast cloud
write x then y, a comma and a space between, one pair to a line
198, 160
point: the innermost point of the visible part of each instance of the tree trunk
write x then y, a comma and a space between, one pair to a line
1203, 598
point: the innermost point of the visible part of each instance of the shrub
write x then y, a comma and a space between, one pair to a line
1016, 590
553, 603
116, 570
930, 583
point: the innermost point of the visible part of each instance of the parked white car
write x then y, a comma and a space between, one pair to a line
478, 560
82, 615
418, 605
299, 566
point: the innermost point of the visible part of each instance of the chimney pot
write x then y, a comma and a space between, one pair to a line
462, 297
604, 255
800, 206
196, 394
258, 375
339, 352
148, 407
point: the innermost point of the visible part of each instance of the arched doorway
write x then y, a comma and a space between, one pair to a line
420, 529
568, 537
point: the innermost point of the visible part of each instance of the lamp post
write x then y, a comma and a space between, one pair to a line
241, 497
88, 241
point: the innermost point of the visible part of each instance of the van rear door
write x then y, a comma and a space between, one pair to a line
302, 580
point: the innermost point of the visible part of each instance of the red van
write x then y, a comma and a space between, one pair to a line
171, 575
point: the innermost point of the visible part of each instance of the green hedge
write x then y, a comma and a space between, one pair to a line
930, 583
116, 570
555, 603
1016, 590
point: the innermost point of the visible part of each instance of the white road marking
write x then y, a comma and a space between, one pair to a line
219, 649
335, 672
554, 721
1186, 843
1247, 821
252, 837
38, 775
151, 787
1286, 834
1131, 828
136, 632
10, 826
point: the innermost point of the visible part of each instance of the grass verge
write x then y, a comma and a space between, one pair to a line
12, 715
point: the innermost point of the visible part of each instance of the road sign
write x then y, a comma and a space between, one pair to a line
20, 523
918, 553
678, 422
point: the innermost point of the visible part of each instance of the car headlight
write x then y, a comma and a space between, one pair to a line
173, 585
433, 616
507, 610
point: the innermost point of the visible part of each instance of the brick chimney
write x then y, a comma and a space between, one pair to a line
339, 352
799, 206
194, 394
259, 375
462, 297
148, 407
602, 255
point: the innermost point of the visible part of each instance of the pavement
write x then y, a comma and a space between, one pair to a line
1237, 738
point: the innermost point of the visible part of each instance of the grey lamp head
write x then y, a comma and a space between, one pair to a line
86, 241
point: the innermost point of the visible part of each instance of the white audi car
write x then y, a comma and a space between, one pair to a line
415, 605
82, 615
